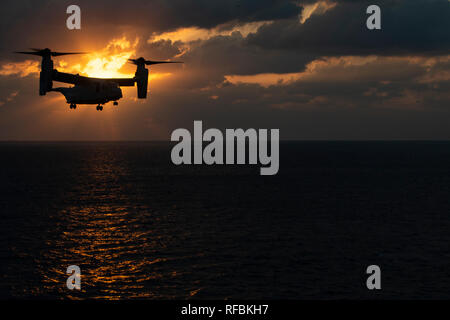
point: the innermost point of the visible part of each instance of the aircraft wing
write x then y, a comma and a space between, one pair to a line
80, 80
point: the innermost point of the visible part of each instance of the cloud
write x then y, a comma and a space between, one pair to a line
408, 27
9, 98
374, 82
21, 69
264, 79
319, 7
190, 34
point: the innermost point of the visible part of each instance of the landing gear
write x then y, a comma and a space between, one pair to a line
73, 106
99, 108
115, 103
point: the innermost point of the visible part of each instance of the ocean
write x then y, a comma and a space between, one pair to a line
140, 227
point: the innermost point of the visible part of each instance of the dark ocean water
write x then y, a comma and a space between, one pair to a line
140, 227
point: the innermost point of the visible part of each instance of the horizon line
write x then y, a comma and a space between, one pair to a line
281, 140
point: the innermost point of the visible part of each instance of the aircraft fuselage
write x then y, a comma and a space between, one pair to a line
95, 93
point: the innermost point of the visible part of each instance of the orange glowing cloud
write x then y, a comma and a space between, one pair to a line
21, 69
319, 7
264, 79
190, 34
320, 70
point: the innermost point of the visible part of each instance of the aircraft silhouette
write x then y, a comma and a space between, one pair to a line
87, 90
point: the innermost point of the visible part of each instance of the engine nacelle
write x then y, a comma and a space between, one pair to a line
142, 82
45, 82
46, 76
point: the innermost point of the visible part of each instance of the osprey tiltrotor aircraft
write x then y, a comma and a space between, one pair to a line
88, 90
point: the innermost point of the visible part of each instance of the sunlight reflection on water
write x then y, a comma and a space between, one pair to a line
114, 244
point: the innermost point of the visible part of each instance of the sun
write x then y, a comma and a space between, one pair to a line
106, 63
110, 61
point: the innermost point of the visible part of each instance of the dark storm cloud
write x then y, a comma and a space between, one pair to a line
43, 23
162, 49
408, 27
285, 46
168, 15
224, 55
159, 15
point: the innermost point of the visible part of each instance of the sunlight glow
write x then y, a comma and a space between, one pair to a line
108, 62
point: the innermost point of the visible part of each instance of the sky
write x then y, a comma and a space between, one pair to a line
309, 68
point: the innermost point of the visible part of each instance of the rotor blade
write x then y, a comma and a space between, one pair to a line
55, 54
149, 62
25, 52
142, 61
47, 52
